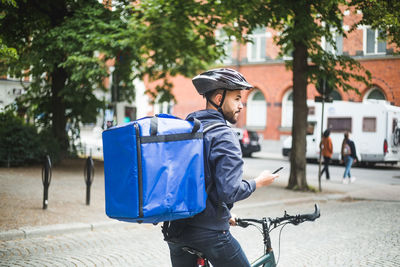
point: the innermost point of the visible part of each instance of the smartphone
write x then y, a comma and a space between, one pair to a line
277, 170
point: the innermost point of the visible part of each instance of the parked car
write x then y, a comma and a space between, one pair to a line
249, 141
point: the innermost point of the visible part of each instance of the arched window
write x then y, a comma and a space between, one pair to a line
287, 109
256, 110
375, 93
335, 95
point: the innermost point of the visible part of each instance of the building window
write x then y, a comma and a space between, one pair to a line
164, 106
394, 125
311, 111
372, 43
339, 124
227, 46
375, 93
256, 115
338, 40
287, 109
12, 77
369, 124
310, 127
256, 50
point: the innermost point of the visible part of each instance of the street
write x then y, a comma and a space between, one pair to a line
361, 230
381, 174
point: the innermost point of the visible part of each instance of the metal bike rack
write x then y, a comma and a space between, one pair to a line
46, 179
89, 176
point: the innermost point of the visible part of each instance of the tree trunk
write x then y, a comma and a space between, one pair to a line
59, 120
297, 179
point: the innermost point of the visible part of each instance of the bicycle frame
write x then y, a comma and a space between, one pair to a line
268, 259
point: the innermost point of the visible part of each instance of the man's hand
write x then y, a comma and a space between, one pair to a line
232, 220
265, 178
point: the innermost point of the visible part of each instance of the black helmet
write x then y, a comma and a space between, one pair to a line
223, 78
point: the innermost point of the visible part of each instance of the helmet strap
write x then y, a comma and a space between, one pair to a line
219, 107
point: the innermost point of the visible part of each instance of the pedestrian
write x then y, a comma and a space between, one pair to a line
349, 155
327, 150
208, 231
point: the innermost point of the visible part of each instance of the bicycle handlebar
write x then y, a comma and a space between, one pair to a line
296, 219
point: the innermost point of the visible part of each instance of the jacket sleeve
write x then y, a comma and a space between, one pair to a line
330, 147
342, 150
227, 163
353, 150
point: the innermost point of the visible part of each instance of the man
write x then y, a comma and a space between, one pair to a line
208, 231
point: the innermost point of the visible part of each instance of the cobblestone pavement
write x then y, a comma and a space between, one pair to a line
353, 233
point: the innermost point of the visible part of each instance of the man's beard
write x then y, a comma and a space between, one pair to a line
232, 118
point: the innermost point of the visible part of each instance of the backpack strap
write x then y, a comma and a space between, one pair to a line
208, 127
212, 125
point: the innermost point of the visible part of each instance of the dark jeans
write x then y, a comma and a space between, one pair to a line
326, 167
219, 247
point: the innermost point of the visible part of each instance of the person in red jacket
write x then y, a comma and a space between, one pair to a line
327, 150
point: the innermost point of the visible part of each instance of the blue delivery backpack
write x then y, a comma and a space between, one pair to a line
154, 169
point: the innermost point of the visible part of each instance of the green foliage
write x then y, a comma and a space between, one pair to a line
64, 45
21, 144
381, 14
6, 53
175, 37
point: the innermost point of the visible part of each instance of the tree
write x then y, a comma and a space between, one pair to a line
381, 14
7, 53
302, 25
56, 43
176, 37
306, 23
64, 46
157, 39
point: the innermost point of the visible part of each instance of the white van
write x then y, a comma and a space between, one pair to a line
374, 126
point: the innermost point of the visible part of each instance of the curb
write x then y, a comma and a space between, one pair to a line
294, 200
58, 229
269, 156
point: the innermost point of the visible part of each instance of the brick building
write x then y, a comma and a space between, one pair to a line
268, 107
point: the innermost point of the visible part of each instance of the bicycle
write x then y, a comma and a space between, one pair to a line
267, 225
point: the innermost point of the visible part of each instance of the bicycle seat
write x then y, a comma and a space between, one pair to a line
193, 251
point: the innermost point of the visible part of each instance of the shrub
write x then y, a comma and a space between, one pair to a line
21, 144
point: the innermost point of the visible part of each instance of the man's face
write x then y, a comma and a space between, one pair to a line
232, 105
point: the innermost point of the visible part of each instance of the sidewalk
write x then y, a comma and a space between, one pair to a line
21, 197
